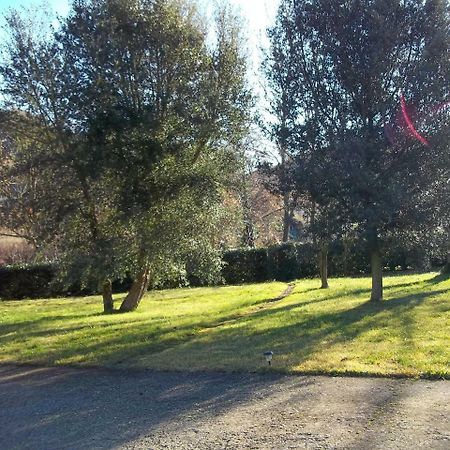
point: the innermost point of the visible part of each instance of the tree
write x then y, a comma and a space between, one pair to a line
27, 191
440, 126
306, 121
143, 117
351, 60
280, 76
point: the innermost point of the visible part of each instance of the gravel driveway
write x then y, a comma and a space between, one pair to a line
59, 408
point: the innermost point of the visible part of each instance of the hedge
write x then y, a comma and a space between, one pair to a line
292, 261
282, 262
31, 281
40, 281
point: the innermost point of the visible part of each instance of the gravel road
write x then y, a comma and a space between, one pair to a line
59, 408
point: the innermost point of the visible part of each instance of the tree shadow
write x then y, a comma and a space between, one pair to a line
439, 278
103, 409
306, 335
113, 344
109, 343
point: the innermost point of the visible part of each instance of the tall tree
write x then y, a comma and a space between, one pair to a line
281, 82
351, 60
142, 116
307, 121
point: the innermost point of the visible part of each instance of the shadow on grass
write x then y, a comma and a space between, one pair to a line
109, 343
123, 343
441, 277
307, 334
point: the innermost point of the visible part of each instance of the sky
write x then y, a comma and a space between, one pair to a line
257, 14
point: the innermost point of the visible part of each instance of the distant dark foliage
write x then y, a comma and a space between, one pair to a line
40, 281
17, 282
291, 261
283, 262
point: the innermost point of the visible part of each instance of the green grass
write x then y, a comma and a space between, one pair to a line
333, 331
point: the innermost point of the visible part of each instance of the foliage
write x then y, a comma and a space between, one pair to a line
333, 331
140, 117
290, 261
246, 265
355, 153
30, 281
283, 262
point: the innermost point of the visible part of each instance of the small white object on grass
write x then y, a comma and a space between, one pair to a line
269, 356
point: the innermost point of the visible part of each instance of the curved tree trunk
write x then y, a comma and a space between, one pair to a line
137, 291
377, 275
108, 302
323, 266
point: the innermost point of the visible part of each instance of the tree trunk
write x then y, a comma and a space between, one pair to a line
286, 218
377, 276
108, 302
346, 256
323, 266
137, 291
249, 236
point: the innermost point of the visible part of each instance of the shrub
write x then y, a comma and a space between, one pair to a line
31, 281
348, 257
247, 265
289, 261
283, 262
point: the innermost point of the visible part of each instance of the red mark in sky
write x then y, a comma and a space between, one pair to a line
409, 124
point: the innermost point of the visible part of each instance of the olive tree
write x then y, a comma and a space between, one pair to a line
141, 113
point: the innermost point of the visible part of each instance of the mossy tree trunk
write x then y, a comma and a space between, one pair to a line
137, 291
377, 275
323, 266
108, 302
286, 218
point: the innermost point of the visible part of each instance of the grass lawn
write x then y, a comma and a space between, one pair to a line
333, 331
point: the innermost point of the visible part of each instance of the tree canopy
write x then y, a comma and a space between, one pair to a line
365, 79
140, 117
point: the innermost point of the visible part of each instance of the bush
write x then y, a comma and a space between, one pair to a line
32, 281
248, 265
290, 261
348, 257
282, 262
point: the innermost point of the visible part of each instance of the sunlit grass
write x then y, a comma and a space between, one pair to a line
227, 328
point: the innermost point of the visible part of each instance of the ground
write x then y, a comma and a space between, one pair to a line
62, 409
182, 371
310, 331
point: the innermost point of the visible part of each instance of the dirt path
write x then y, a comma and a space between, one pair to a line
97, 409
